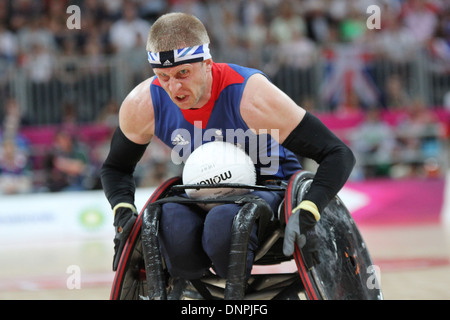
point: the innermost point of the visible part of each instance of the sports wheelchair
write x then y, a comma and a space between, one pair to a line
345, 273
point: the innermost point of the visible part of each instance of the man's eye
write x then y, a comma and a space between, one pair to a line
183, 72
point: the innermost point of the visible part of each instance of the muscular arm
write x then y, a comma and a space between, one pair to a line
264, 106
128, 144
312, 139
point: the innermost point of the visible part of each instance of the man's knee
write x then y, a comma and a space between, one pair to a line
273, 199
217, 237
217, 228
180, 238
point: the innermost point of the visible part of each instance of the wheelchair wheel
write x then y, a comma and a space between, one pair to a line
346, 271
130, 278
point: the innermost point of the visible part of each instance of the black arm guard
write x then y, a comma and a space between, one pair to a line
312, 139
117, 170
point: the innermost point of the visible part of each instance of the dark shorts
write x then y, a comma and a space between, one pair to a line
193, 240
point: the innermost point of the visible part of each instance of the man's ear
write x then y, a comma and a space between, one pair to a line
208, 64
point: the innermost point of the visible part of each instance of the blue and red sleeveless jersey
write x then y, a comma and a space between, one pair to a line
220, 119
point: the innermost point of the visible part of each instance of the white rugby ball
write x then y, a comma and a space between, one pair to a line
218, 162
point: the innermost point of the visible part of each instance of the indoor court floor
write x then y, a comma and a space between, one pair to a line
413, 263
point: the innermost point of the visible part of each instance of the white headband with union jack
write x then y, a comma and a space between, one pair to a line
167, 59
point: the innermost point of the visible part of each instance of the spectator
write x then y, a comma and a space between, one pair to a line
299, 53
93, 51
130, 31
194, 7
12, 121
234, 40
296, 59
251, 12
69, 118
39, 64
39, 68
395, 50
8, 45
15, 174
257, 32
352, 27
109, 115
127, 38
318, 21
13, 118
420, 18
338, 9
374, 145
259, 50
395, 42
396, 96
66, 164
5, 12
151, 10
288, 23
419, 133
438, 52
113, 8
419, 119
36, 33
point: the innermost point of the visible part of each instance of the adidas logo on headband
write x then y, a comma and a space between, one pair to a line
179, 56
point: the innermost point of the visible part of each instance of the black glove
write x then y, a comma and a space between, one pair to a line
301, 230
124, 220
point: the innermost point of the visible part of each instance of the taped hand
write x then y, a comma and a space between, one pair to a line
301, 230
125, 216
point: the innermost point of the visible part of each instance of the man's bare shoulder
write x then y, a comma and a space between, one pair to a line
136, 113
265, 107
140, 95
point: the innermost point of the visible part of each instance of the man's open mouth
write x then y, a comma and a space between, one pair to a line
181, 98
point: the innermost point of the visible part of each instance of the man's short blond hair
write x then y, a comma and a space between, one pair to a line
175, 31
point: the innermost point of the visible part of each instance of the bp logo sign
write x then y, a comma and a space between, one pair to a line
92, 218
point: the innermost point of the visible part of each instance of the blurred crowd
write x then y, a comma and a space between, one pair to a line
68, 160
240, 29
411, 145
247, 32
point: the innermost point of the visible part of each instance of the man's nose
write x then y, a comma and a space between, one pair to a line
174, 85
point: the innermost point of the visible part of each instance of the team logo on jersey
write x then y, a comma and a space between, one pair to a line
179, 140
